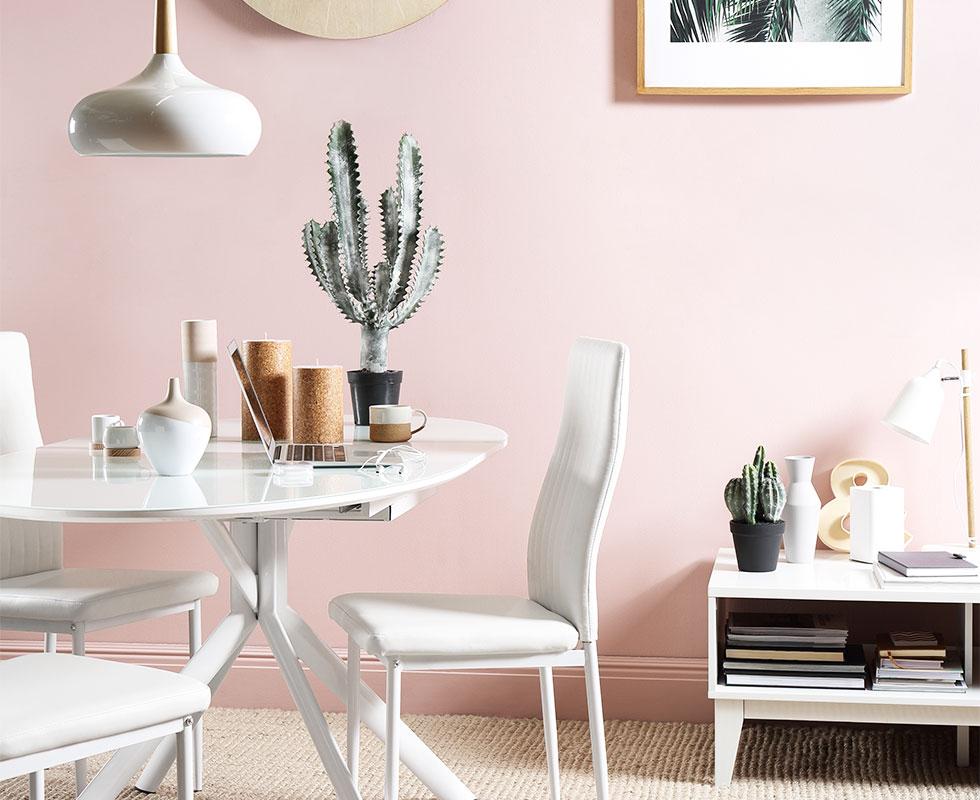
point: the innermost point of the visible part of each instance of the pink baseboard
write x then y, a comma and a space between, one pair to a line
633, 687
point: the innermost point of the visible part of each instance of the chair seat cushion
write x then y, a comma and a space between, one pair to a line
54, 700
85, 595
392, 625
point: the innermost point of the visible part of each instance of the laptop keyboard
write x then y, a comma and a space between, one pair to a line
328, 453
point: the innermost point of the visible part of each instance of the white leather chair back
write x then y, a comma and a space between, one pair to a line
574, 500
25, 547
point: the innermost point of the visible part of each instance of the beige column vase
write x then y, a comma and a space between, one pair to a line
318, 404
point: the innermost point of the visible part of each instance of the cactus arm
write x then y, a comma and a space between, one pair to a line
408, 202
389, 225
433, 248
349, 209
732, 490
772, 499
323, 257
749, 494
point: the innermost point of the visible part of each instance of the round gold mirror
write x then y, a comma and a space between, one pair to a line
345, 19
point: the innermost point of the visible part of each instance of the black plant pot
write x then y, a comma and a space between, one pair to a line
372, 389
757, 545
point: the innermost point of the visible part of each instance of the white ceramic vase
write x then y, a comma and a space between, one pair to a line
174, 433
802, 511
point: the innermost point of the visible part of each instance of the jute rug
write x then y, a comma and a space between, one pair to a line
267, 755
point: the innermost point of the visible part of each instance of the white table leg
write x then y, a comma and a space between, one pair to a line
415, 754
729, 715
273, 562
218, 653
299, 642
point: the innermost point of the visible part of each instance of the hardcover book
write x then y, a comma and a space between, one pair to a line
928, 563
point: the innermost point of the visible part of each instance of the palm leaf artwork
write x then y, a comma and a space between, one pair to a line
696, 20
854, 20
772, 20
763, 21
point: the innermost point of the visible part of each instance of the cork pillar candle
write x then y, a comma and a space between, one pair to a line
318, 404
269, 363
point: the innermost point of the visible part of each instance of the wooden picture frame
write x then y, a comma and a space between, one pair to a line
904, 87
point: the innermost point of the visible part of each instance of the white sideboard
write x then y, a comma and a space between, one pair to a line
832, 577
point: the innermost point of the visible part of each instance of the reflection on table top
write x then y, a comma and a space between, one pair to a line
64, 482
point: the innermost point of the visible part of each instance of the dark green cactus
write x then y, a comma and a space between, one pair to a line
381, 297
758, 495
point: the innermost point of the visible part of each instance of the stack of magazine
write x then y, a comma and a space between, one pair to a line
804, 650
917, 661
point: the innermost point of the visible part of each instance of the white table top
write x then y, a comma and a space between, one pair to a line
63, 482
831, 576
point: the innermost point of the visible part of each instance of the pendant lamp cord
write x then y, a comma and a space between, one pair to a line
165, 29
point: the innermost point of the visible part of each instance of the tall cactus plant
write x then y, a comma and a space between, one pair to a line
757, 495
381, 297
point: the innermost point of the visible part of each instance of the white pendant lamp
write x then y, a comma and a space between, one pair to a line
165, 110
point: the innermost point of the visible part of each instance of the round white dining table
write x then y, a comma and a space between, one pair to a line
246, 513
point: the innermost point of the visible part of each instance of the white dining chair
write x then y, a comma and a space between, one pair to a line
409, 632
59, 708
39, 594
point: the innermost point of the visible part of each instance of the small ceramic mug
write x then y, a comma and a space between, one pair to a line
99, 423
393, 423
121, 440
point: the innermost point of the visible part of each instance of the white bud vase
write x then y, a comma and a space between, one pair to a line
802, 511
174, 433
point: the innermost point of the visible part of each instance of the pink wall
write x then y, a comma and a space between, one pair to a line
778, 267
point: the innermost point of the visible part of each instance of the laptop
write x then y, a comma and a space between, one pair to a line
346, 455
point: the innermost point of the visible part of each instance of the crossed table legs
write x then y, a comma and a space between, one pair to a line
255, 554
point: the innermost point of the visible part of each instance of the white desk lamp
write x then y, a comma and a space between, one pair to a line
916, 410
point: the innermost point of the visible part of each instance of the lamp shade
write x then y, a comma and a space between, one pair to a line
166, 110
916, 410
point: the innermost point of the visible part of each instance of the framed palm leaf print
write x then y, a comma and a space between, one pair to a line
774, 46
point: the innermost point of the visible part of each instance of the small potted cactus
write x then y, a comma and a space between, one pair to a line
756, 501
378, 297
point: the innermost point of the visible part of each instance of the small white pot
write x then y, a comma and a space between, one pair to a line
174, 434
802, 511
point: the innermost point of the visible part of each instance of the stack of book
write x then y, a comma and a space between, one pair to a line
916, 661
804, 650
926, 567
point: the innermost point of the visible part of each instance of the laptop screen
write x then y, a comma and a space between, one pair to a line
251, 398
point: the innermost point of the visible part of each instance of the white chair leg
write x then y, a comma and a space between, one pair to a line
78, 649
36, 780
594, 696
185, 761
353, 707
36, 785
393, 702
194, 644
550, 730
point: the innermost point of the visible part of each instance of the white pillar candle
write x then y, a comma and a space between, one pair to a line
199, 352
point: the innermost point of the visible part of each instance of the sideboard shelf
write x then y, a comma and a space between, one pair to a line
831, 578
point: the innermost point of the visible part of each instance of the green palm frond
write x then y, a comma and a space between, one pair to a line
696, 20
854, 20
763, 20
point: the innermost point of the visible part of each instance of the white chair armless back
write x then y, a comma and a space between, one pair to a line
574, 500
25, 547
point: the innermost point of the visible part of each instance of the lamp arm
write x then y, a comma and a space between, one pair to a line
966, 379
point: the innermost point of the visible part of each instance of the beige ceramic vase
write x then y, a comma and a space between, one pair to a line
174, 433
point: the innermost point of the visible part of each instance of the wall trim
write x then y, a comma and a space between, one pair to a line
173, 656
